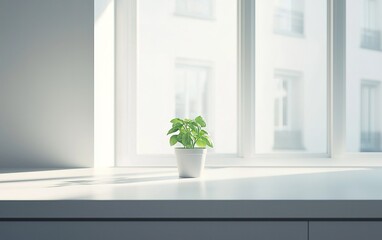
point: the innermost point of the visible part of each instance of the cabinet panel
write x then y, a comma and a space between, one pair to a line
345, 230
145, 230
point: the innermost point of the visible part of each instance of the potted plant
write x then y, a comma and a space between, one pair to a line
191, 134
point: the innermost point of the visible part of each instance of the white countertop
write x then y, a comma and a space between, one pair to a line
216, 184
230, 192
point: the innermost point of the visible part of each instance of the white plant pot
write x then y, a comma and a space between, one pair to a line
190, 161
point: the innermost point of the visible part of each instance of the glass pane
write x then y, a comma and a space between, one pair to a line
363, 75
195, 8
187, 66
291, 76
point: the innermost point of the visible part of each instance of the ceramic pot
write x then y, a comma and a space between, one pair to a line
190, 161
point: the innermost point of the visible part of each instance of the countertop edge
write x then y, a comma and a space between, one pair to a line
191, 210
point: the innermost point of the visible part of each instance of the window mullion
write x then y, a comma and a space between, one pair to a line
246, 88
339, 78
126, 75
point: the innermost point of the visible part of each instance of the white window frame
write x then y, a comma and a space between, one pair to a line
126, 76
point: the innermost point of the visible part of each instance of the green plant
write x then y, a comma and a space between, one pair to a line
189, 133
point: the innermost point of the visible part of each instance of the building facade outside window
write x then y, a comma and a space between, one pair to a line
281, 78
363, 71
186, 67
289, 17
195, 8
191, 90
288, 131
370, 116
291, 78
371, 32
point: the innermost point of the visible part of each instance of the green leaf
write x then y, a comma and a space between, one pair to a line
178, 125
186, 140
203, 132
208, 141
190, 132
173, 140
172, 130
201, 143
193, 127
176, 120
196, 126
200, 121
179, 137
182, 130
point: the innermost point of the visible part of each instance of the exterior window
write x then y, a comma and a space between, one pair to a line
314, 94
192, 98
287, 132
195, 8
370, 117
290, 96
185, 68
371, 33
191, 88
289, 17
363, 74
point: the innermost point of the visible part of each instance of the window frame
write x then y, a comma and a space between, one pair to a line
336, 155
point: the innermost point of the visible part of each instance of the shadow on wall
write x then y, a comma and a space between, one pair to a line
46, 83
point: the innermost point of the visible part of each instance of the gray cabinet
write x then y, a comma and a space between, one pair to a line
190, 230
345, 230
145, 230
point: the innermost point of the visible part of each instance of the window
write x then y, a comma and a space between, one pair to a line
184, 68
195, 8
191, 89
291, 79
371, 33
370, 117
363, 74
274, 79
289, 17
287, 111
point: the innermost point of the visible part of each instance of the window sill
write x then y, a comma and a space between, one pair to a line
255, 193
265, 160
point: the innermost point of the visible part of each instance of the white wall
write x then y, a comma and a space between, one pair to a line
46, 83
